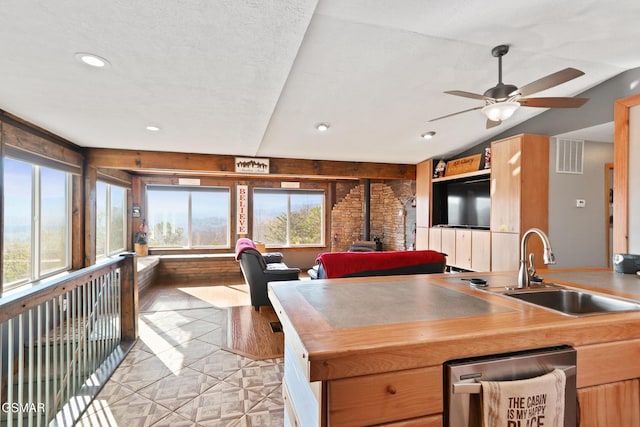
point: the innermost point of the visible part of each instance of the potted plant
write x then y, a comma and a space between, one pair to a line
140, 241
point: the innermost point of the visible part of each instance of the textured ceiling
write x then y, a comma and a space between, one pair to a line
253, 78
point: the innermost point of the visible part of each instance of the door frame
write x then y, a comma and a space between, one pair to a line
621, 172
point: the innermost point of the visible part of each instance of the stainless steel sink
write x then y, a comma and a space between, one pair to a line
573, 302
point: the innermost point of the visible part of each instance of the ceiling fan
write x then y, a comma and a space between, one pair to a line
502, 100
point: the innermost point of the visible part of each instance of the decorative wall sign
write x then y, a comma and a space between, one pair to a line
463, 165
135, 211
252, 165
242, 224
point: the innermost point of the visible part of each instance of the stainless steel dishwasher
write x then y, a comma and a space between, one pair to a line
463, 391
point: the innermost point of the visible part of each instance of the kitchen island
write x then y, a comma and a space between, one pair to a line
367, 351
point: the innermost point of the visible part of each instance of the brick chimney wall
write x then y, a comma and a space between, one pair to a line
387, 218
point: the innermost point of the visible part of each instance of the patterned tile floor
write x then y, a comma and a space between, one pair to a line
179, 374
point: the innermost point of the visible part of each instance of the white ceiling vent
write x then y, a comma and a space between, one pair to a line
569, 155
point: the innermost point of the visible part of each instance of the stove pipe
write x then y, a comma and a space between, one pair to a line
367, 210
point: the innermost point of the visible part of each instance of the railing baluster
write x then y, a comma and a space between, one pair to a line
3, 392
47, 358
30, 368
10, 379
74, 343
85, 330
92, 323
38, 344
20, 394
54, 350
67, 361
103, 310
112, 313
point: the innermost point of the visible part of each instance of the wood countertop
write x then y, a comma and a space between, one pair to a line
361, 326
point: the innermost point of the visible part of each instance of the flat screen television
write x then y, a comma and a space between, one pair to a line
463, 203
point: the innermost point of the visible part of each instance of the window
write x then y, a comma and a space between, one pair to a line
188, 217
288, 217
111, 219
37, 222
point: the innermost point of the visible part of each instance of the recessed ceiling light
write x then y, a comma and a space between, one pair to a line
428, 135
153, 128
322, 127
92, 60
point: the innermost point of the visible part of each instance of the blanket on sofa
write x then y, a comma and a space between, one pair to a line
339, 264
242, 245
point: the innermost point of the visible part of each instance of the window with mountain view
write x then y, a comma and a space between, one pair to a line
288, 218
37, 222
111, 219
188, 217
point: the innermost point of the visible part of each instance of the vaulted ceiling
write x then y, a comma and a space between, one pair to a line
253, 78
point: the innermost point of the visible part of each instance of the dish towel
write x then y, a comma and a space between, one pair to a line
532, 402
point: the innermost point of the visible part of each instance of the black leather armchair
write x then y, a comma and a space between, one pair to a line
257, 273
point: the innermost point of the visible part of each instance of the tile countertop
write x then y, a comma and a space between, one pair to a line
357, 326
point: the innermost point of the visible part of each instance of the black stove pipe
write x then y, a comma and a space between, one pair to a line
367, 210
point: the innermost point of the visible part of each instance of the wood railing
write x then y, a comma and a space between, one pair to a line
60, 342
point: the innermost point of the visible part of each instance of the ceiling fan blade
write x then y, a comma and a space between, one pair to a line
493, 123
466, 94
550, 81
455, 114
553, 102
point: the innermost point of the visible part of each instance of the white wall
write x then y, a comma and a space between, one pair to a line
578, 235
634, 180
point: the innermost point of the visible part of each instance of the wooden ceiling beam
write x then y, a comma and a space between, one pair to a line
189, 163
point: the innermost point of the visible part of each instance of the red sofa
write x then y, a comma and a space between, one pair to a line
358, 264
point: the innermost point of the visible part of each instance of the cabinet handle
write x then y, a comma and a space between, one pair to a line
391, 389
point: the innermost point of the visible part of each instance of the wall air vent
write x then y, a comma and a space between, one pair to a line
569, 155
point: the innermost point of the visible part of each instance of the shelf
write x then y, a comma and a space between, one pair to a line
480, 172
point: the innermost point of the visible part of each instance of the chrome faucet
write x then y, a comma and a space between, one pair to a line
525, 274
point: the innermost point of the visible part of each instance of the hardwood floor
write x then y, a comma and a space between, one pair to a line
249, 332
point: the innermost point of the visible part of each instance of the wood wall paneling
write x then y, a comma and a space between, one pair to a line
32, 147
90, 178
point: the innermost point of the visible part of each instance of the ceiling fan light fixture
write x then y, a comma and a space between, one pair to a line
500, 111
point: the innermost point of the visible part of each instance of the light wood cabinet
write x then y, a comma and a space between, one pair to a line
423, 193
422, 238
435, 239
505, 251
519, 201
519, 197
463, 249
480, 250
423, 203
449, 245
375, 399
615, 404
